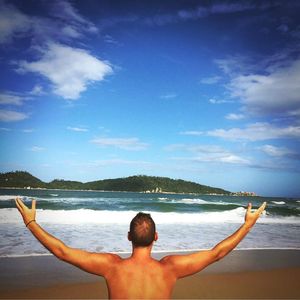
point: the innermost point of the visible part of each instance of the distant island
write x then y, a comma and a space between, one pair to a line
140, 183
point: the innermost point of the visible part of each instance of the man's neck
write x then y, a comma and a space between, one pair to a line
141, 253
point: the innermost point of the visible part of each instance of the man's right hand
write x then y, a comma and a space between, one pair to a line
27, 213
252, 217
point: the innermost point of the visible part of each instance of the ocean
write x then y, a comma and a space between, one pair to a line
99, 221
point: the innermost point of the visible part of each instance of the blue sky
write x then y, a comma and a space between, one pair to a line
207, 91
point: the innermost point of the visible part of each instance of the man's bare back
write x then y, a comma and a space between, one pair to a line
133, 278
139, 276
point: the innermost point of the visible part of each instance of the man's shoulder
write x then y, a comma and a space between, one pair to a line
115, 256
111, 258
168, 260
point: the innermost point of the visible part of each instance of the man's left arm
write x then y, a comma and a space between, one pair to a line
185, 265
95, 263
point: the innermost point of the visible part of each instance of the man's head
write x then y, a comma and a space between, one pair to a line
142, 230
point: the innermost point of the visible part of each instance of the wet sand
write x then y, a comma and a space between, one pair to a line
243, 274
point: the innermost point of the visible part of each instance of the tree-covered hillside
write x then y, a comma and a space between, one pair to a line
144, 183
140, 183
20, 179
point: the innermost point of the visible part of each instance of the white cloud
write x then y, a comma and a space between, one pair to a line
110, 40
64, 10
11, 116
257, 132
191, 132
277, 92
226, 158
210, 80
122, 143
4, 129
234, 117
70, 70
78, 129
209, 154
12, 22
71, 32
10, 99
278, 151
168, 96
235, 65
183, 15
216, 101
216, 155
36, 149
200, 12
234, 159
62, 23
195, 148
37, 90
207, 149
27, 130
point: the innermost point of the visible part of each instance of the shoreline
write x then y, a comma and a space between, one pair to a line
264, 273
231, 194
160, 252
107, 191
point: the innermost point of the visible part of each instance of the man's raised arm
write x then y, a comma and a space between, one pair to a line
185, 265
95, 263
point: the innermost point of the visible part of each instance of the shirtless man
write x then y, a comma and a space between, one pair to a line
139, 276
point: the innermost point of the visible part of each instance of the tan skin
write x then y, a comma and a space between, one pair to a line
139, 276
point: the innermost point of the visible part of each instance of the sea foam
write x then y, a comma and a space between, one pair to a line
7, 197
88, 216
279, 202
198, 201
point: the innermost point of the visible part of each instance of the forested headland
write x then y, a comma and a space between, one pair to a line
139, 183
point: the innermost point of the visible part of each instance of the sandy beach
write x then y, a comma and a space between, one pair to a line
243, 274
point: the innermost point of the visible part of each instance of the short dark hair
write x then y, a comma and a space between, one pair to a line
142, 230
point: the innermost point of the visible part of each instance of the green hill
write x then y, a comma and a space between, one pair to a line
144, 183
65, 184
140, 183
20, 179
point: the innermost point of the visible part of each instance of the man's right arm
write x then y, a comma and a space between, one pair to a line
95, 263
185, 265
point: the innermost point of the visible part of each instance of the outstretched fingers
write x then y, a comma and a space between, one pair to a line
33, 204
262, 207
19, 207
249, 208
21, 203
